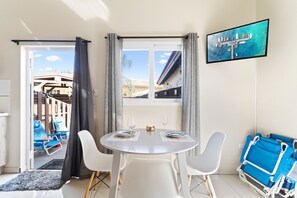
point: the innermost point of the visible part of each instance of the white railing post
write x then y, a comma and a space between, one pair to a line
59, 108
47, 120
64, 111
53, 107
68, 115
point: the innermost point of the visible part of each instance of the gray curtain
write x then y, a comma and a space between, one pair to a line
113, 85
190, 89
82, 116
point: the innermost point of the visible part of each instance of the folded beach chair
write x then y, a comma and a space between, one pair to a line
288, 187
60, 128
45, 141
291, 142
266, 164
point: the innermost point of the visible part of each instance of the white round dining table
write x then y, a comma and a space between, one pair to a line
149, 143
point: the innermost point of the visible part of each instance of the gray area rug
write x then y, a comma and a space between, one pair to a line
55, 164
34, 180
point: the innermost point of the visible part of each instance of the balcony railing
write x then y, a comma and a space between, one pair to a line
46, 107
167, 93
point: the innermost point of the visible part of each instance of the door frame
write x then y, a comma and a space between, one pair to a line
27, 103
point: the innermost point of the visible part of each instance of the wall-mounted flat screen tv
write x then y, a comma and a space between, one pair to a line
246, 41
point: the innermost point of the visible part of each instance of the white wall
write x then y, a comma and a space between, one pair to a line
227, 90
277, 74
4, 96
151, 115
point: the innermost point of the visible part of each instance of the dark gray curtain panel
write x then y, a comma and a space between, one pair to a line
82, 116
190, 89
113, 85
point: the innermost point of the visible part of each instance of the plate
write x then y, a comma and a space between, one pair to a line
125, 134
175, 134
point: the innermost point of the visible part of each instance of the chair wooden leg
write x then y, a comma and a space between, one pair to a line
96, 180
213, 193
89, 186
120, 178
189, 180
206, 185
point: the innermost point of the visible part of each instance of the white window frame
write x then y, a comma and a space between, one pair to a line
152, 45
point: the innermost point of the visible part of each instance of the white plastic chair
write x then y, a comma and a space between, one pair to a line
94, 159
208, 162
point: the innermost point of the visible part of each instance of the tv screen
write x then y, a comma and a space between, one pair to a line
246, 41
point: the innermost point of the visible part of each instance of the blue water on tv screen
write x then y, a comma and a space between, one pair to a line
246, 41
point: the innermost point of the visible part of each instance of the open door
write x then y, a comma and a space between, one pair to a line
48, 75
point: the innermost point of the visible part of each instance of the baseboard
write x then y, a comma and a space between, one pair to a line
11, 170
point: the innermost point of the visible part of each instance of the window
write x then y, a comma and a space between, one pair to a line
135, 73
152, 70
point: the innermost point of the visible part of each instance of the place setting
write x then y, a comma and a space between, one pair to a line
176, 136
126, 135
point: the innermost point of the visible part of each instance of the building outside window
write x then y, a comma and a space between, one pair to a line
152, 70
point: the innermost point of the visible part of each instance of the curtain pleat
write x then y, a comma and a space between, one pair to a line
190, 89
82, 114
113, 108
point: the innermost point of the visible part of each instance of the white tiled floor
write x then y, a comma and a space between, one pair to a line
226, 186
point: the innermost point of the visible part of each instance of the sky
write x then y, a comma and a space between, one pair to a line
49, 61
139, 69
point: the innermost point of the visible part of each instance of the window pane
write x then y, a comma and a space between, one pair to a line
168, 76
135, 73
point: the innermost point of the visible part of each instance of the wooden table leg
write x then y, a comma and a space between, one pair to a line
115, 174
183, 175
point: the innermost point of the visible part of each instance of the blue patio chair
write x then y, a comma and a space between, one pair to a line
288, 188
45, 141
60, 128
267, 165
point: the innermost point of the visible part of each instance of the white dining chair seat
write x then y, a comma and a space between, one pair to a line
100, 161
208, 162
195, 167
94, 159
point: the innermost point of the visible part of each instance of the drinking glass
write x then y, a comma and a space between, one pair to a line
131, 124
164, 121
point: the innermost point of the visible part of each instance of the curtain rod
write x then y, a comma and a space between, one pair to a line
47, 41
150, 37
